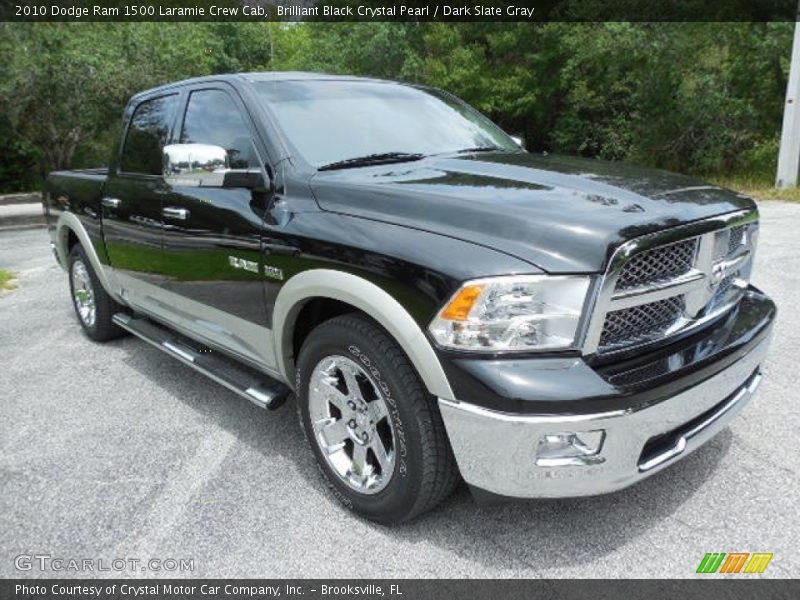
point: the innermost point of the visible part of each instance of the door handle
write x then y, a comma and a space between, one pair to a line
110, 202
280, 249
175, 213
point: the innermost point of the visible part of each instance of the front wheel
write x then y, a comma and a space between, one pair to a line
374, 429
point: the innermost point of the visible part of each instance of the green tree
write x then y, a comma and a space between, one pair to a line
694, 97
64, 85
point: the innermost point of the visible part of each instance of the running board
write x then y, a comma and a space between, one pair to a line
249, 383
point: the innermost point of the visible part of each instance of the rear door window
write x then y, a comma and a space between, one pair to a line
147, 134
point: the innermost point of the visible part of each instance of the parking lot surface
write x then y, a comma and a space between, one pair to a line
117, 451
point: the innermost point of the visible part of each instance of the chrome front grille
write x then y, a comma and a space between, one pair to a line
735, 238
640, 323
727, 241
669, 282
658, 264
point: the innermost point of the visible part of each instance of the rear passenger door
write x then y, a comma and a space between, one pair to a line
212, 235
132, 198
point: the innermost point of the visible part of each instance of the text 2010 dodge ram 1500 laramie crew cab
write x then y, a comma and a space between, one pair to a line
442, 304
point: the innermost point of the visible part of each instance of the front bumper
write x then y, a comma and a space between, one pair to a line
500, 452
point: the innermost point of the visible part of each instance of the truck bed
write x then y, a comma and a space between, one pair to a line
96, 174
79, 191
81, 188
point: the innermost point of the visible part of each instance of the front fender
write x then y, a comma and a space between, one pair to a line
370, 299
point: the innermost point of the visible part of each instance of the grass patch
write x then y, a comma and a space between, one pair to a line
758, 187
7, 280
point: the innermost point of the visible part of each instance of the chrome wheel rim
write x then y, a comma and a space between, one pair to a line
351, 424
83, 293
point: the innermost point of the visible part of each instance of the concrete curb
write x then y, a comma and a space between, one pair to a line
20, 198
21, 216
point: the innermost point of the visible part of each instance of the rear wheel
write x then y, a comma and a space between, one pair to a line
374, 429
93, 306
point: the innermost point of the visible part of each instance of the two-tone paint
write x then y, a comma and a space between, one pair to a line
395, 241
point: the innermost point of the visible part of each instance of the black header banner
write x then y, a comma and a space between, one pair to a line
403, 11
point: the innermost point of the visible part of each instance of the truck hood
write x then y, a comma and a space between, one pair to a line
562, 214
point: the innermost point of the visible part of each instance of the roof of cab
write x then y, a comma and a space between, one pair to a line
304, 75
261, 76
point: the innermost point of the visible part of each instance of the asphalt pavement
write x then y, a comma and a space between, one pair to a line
117, 451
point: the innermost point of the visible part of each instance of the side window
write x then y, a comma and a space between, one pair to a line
147, 135
213, 118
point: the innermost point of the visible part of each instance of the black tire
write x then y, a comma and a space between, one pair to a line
101, 328
425, 470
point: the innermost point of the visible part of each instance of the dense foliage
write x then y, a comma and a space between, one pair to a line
694, 97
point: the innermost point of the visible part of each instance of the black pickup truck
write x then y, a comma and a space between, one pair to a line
441, 303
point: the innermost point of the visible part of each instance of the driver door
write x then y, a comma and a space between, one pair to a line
212, 258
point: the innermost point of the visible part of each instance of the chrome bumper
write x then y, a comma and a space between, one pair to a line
497, 452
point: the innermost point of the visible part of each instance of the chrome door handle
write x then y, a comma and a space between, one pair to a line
175, 213
110, 202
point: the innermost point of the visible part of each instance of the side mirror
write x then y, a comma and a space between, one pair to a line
205, 165
518, 140
195, 165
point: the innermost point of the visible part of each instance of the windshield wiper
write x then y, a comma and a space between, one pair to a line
479, 149
372, 159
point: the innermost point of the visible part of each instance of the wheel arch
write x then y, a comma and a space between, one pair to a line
363, 296
69, 231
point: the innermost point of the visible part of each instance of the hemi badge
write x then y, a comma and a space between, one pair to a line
273, 272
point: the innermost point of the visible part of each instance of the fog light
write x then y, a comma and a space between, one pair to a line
580, 448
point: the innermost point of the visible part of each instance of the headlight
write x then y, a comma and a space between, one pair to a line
518, 313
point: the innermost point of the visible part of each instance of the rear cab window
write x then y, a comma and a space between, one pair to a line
147, 134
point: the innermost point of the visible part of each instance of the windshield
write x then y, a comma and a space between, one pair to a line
332, 121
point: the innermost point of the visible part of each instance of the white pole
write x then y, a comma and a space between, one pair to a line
789, 153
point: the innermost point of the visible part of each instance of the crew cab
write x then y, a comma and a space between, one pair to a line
441, 304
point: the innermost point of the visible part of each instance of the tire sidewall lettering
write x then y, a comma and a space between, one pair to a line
394, 413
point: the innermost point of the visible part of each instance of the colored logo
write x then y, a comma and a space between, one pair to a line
734, 562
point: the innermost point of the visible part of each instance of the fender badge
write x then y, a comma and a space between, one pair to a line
240, 263
273, 272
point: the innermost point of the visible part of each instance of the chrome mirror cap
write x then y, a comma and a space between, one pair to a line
195, 165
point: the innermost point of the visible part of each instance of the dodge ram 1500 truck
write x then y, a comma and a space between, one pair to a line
441, 303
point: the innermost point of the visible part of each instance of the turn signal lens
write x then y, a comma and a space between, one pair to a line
459, 307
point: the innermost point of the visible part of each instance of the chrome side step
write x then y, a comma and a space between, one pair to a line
257, 387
